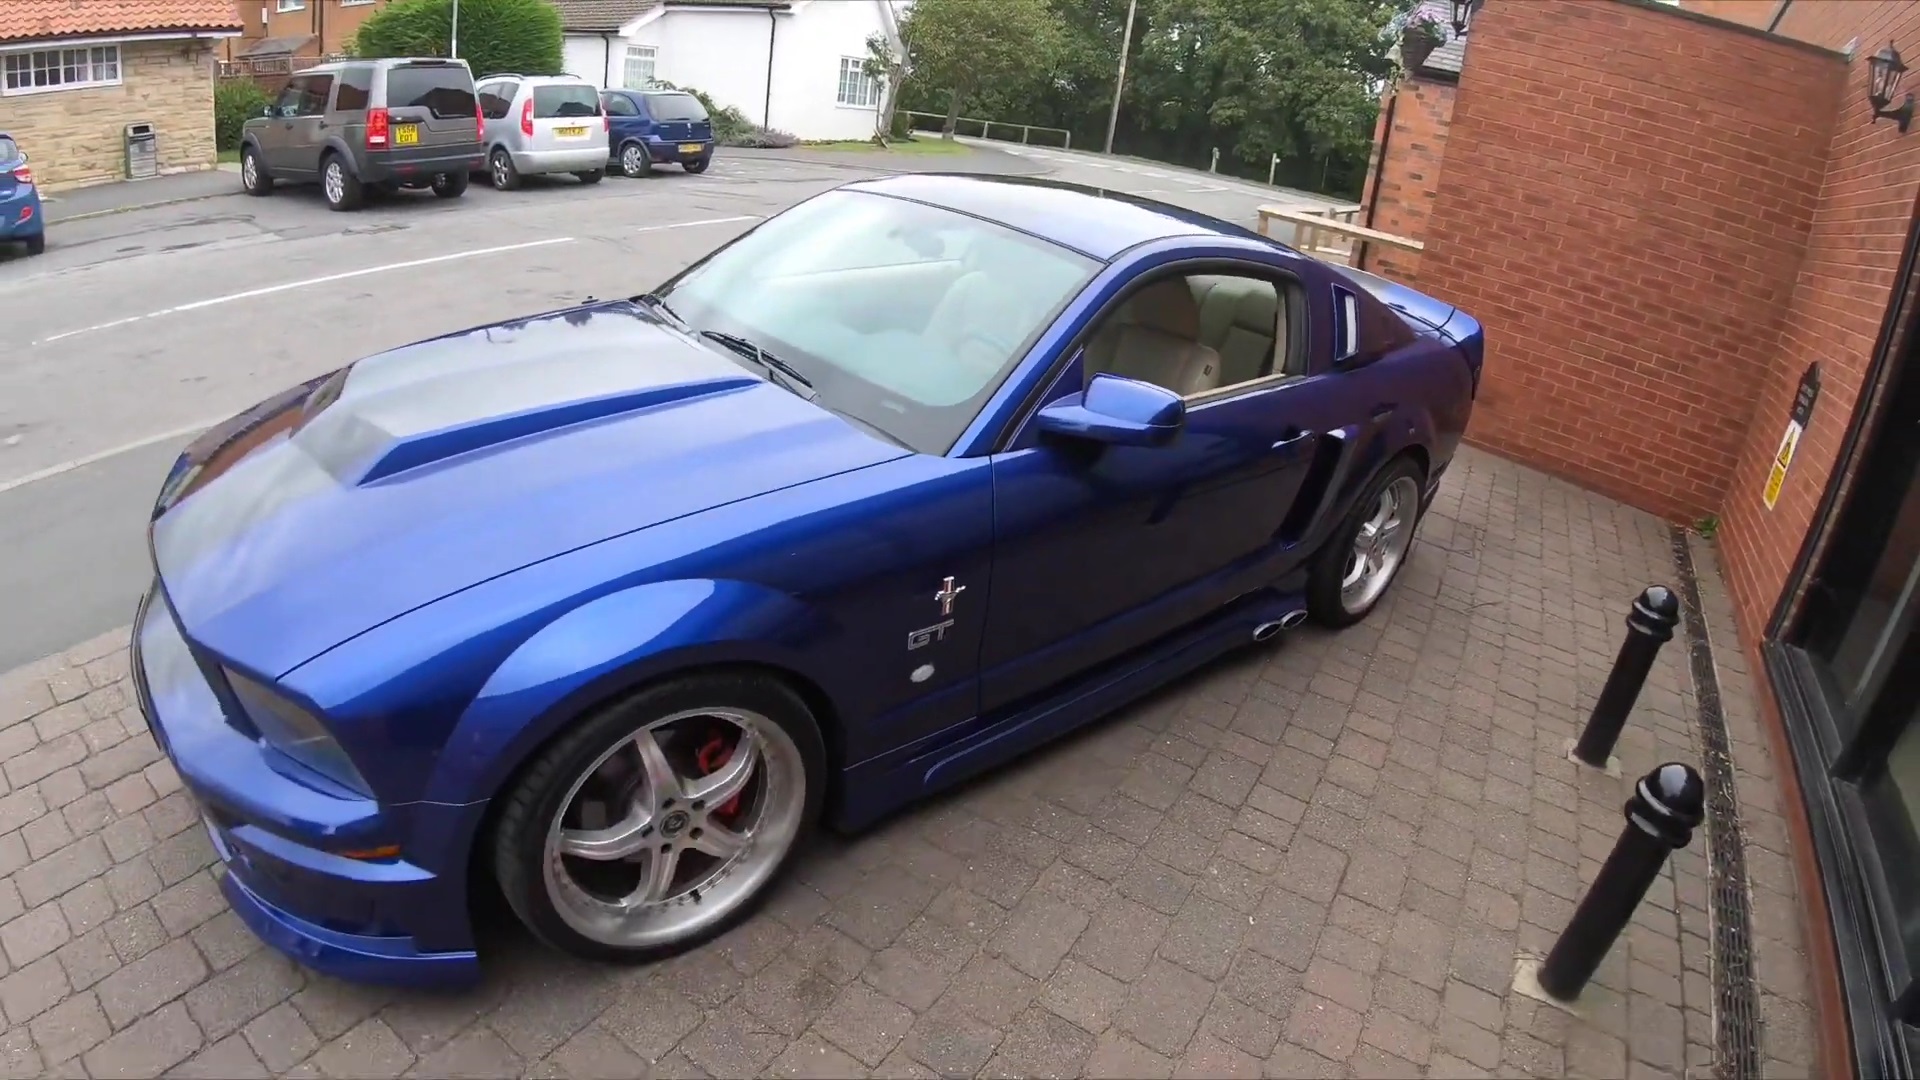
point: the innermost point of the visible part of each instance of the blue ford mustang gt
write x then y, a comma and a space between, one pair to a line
609, 607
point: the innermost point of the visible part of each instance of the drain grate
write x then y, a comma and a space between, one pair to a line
1737, 1005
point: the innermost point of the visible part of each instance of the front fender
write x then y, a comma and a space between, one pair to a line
608, 645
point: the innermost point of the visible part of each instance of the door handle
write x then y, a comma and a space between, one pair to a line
1292, 442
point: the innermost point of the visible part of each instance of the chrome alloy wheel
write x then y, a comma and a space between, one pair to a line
502, 170
674, 827
250, 169
630, 162
335, 182
1380, 545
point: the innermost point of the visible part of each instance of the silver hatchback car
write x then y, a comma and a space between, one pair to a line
540, 125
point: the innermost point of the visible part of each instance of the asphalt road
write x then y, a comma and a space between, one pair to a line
136, 330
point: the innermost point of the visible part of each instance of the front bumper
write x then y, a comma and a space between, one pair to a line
385, 921
590, 157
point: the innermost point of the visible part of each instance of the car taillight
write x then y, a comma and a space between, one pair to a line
526, 118
23, 176
377, 127
606, 122
479, 120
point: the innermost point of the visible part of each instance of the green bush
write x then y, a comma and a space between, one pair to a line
495, 35
234, 101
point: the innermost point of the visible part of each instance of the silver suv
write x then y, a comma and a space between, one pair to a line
542, 124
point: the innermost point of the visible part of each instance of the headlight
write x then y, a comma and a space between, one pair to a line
296, 733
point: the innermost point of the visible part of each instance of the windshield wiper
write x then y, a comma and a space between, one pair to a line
797, 382
655, 301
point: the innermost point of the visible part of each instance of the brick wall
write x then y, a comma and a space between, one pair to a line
1754, 13
77, 136
1626, 196
1406, 169
1833, 316
332, 22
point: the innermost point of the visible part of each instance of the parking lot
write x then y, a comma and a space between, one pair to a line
1318, 858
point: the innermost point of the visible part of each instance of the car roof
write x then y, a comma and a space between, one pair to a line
1093, 221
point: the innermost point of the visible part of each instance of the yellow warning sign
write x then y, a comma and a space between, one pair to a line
1782, 459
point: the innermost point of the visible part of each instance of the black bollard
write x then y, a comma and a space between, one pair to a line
1667, 805
1649, 625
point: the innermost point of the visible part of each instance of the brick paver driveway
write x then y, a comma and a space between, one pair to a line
1313, 859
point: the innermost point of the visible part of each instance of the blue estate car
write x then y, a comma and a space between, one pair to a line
21, 220
607, 607
656, 127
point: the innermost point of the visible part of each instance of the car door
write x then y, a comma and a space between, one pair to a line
624, 118
430, 109
566, 116
1099, 550
275, 134
305, 131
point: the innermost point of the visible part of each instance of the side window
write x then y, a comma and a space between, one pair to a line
492, 105
354, 93
618, 105
313, 96
288, 103
1198, 334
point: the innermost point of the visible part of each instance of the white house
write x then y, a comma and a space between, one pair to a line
791, 65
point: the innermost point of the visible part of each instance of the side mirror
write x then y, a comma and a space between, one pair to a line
1118, 411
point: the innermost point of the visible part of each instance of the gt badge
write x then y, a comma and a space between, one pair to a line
921, 638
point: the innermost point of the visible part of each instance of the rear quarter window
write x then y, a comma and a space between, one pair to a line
352, 93
550, 102
675, 107
9, 150
445, 90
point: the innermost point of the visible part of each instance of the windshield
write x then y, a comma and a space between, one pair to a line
553, 101
903, 316
675, 107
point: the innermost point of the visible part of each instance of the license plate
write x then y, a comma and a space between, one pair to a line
406, 134
570, 132
690, 148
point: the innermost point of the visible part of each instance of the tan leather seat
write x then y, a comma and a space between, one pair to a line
976, 316
1240, 318
1155, 337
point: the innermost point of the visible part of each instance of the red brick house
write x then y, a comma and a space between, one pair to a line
1694, 245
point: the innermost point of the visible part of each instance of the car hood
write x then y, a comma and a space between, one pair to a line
415, 473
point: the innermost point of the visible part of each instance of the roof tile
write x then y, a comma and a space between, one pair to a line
25, 20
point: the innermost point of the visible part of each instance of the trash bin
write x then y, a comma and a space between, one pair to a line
143, 151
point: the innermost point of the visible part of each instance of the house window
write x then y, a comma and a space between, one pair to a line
857, 90
639, 67
61, 69
292, 5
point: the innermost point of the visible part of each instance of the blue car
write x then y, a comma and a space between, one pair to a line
656, 127
20, 217
606, 609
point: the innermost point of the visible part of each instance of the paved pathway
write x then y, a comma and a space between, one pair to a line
1315, 860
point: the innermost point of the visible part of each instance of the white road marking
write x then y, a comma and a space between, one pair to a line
285, 286
82, 462
702, 221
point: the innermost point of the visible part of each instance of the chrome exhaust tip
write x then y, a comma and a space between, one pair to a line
1267, 630
1293, 618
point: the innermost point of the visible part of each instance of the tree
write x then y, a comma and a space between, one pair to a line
887, 66
495, 35
963, 46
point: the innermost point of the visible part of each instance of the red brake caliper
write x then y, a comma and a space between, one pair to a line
711, 757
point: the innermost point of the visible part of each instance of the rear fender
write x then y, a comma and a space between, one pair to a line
608, 646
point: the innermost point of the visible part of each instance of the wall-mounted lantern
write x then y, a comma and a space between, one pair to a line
1884, 69
1463, 15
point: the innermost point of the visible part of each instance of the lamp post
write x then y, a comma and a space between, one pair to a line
453, 34
1120, 80
1884, 70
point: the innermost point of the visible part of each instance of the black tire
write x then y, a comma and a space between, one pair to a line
1329, 566
699, 166
351, 193
450, 185
37, 243
253, 173
501, 171
635, 162
532, 801
591, 176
